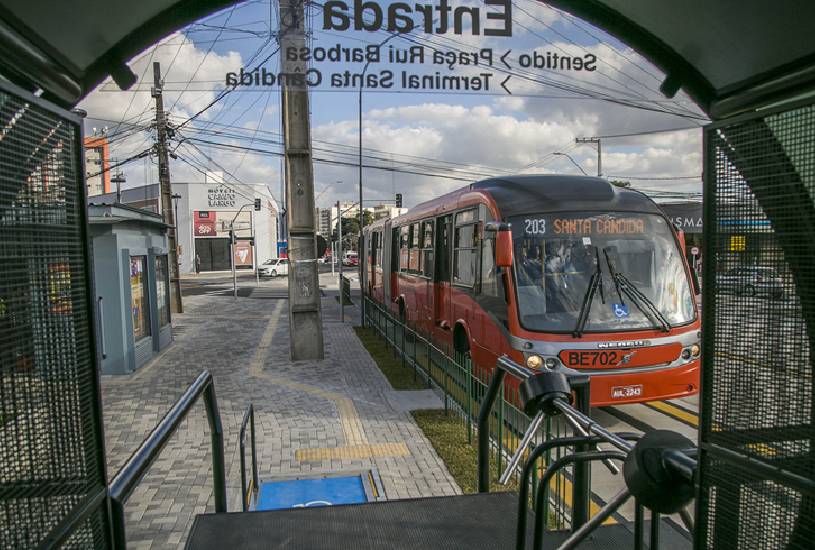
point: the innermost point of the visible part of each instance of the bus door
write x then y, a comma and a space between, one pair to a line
426, 288
442, 305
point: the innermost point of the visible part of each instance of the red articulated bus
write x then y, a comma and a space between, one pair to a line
553, 271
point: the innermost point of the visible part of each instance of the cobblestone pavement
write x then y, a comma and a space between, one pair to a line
310, 416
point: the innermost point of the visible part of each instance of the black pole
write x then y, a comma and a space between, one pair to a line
484, 431
581, 487
655, 521
639, 526
255, 485
216, 431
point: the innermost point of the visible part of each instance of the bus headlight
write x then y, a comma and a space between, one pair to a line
550, 363
686, 354
534, 361
695, 350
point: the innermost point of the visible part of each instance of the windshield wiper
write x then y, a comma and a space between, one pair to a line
595, 282
643, 303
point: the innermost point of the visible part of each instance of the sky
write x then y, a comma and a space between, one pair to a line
420, 143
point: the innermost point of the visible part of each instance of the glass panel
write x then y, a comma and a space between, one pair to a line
556, 256
139, 306
162, 291
464, 217
489, 277
464, 264
465, 236
428, 235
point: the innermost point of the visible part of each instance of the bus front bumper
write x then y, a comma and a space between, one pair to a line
637, 386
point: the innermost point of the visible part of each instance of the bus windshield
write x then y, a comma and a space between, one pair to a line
641, 282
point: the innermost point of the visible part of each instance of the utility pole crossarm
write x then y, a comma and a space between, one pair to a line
594, 141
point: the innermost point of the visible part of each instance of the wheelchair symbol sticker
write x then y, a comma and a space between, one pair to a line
620, 310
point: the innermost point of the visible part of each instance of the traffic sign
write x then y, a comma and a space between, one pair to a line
694, 251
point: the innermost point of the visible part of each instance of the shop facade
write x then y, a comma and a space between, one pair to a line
208, 211
204, 212
131, 279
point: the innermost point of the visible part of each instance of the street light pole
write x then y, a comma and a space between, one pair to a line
232, 242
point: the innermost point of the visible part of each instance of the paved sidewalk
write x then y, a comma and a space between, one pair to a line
310, 416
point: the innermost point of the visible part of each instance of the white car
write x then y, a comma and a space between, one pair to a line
274, 267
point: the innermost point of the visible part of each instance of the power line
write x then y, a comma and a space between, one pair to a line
655, 178
649, 132
211, 46
122, 163
352, 148
330, 161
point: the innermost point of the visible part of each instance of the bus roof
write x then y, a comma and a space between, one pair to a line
535, 194
528, 194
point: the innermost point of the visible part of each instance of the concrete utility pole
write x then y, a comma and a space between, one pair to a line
305, 322
166, 192
594, 141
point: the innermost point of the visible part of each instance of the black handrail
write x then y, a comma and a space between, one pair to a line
248, 417
139, 463
580, 386
537, 452
574, 458
503, 366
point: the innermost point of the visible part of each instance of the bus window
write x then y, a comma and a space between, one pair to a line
378, 248
489, 275
403, 248
465, 251
372, 248
414, 264
427, 248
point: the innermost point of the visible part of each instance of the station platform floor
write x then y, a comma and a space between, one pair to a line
311, 417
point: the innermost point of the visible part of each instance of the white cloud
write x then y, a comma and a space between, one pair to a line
180, 60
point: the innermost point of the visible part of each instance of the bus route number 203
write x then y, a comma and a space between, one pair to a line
535, 226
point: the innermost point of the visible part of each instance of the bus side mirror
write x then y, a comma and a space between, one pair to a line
503, 248
503, 242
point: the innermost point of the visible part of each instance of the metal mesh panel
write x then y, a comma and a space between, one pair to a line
758, 463
51, 456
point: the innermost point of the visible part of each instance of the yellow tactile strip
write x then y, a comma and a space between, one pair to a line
356, 442
373, 450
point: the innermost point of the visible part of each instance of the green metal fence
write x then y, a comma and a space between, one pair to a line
462, 386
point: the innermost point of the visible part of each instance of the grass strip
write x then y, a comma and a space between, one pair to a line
448, 435
400, 377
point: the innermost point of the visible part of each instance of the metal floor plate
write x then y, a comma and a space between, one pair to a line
472, 522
